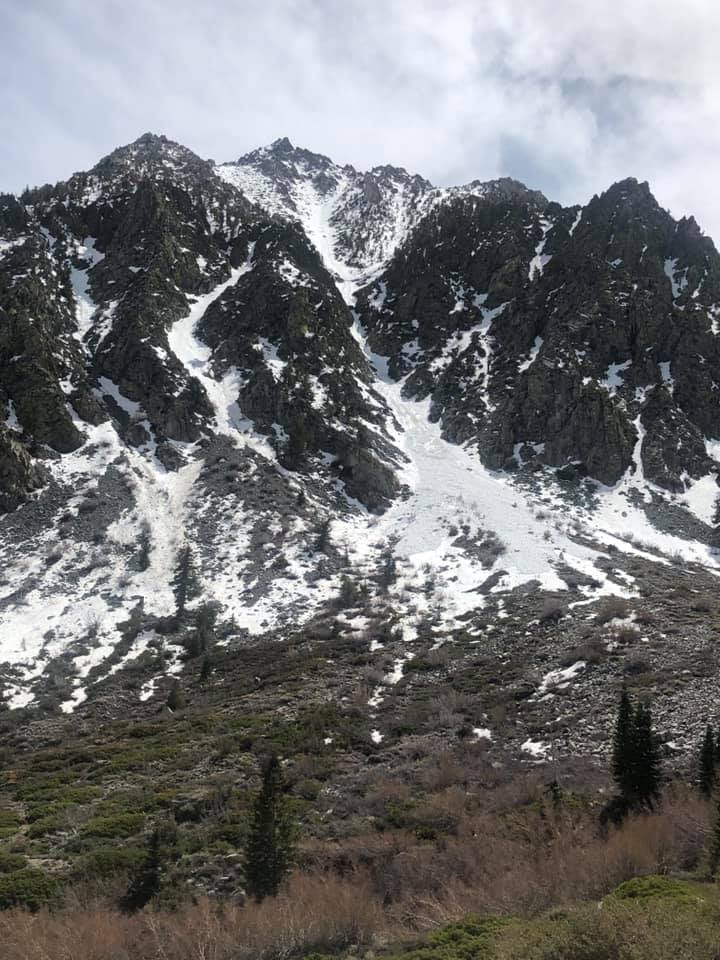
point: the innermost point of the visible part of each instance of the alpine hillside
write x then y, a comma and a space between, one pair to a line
437, 438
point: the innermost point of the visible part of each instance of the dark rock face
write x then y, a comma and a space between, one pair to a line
564, 337
555, 330
182, 369
18, 476
134, 242
306, 384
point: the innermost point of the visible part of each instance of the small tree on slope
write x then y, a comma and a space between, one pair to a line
706, 763
146, 879
270, 844
648, 772
623, 760
636, 759
184, 582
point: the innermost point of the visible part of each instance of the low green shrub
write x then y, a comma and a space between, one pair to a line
28, 888
104, 862
10, 862
121, 825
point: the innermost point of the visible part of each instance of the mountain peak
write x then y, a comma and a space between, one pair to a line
281, 145
153, 155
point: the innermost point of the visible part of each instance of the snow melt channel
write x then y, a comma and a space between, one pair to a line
196, 357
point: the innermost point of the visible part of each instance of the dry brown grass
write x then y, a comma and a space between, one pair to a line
386, 886
312, 913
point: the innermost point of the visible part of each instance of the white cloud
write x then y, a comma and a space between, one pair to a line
567, 96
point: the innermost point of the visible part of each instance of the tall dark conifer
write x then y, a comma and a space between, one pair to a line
636, 757
706, 763
624, 749
184, 582
647, 766
146, 880
269, 849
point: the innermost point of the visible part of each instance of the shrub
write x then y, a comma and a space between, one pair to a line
612, 608
626, 634
27, 888
10, 862
470, 939
104, 862
46, 825
9, 823
643, 888
592, 651
121, 825
552, 610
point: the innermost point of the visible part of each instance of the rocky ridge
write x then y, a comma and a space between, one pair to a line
309, 375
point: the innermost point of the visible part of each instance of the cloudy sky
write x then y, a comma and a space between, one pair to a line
566, 95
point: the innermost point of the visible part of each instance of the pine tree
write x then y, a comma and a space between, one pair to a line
636, 758
623, 760
146, 879
647, 767
388, 573
184, 582
269, 849
144, 547
322, 538
206, 668
201, 639
706, 764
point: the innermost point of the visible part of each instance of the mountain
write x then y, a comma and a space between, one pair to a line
303, 403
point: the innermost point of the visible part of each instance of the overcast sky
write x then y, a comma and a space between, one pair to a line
566, 95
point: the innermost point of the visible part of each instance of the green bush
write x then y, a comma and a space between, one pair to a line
9, 824
104, 862
41, 828
122, 825
10, 862
471, 939
43, 811
27, 888
654, 918
642, 888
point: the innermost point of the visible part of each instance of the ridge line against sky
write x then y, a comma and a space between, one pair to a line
567, 97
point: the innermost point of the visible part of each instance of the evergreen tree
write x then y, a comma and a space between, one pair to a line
200, 640
647, 765
636, 758
184, 583
269, 849
144, 546
146, 879
706, 764
348, 592
322, 538
388, 573
623, 759
206, 667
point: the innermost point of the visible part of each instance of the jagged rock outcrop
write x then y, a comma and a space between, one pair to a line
554, 330
18, 475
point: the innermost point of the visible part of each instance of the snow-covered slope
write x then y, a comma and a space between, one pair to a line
355, 220
285, 408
